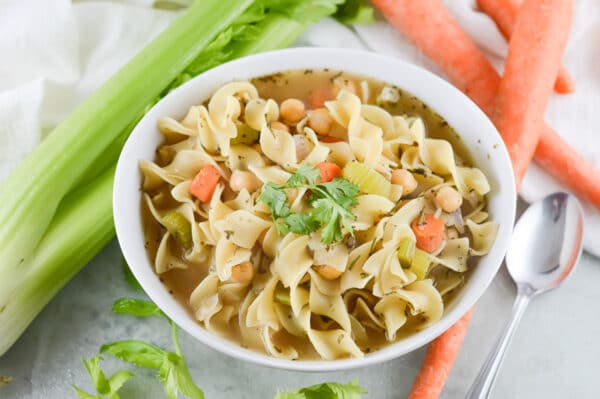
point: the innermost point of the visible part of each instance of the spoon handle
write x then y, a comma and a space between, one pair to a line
482, 386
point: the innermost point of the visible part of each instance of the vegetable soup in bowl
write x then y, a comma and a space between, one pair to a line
314, 209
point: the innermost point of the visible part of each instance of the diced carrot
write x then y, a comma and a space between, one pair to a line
439, 359
329, 171
504, 14
534, 54
320, 95
429, 232
204, 184
329, 139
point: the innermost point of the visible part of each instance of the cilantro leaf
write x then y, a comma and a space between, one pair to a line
274, 196
137, 352
306, 174
136, 307
331, 204
302, 223
328, 390
107, 387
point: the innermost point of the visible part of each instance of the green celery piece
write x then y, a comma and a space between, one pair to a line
406, 251
420, 264
179, 227
282, 295
82, 226
31, 195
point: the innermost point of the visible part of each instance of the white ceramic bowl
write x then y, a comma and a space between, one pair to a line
476, 130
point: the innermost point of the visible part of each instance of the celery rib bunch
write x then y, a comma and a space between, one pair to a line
56, 210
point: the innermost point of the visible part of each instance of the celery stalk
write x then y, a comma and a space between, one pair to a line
50, 229
82, 226
32, 193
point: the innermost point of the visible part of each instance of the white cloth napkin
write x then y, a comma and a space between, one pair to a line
55, 53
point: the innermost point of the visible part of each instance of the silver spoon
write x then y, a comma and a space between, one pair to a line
544, 249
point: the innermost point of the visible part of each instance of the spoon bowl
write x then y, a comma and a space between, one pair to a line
546, 243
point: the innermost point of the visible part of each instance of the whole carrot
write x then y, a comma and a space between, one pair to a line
534, 53
504, 14
425, 23
439, 359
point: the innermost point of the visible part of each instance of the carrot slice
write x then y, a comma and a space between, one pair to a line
204, 184
329, 171
439, 359
476, 77
534, 54
504, 14
429, 232
329, 139
320, 95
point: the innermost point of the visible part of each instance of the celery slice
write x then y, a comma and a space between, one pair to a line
420, 264
282, 295
406, 251
245, 135
179, 227
367, 179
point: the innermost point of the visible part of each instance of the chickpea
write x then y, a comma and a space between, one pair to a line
327, 272
279, 126
292, 110
448, 199
241, 179
303, 146
320, 121
451, 233
405, 179
242, 273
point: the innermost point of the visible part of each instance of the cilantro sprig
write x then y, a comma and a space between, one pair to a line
172, 369
331, 205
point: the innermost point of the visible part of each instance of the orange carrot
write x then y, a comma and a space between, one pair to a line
534, 54
329, 171
329, 139
429, 232
504, 14
318, 96
204, 184
481, 83
439, 359
564, 163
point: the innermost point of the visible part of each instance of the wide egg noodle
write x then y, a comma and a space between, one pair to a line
483, 236
331, 306
293, 260
242, 228
355, 276
334, 255
369, 209
228, 255
365, 139
330, 344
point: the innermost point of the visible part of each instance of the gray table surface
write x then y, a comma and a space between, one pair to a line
554, 354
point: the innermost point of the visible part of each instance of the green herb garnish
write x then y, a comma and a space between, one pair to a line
331, 204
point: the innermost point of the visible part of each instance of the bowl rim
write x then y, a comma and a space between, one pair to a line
353, 61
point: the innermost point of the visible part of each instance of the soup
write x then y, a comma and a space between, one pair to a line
313, 214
